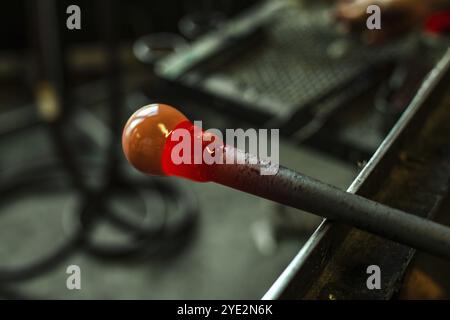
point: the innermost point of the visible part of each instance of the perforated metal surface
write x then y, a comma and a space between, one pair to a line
302, 57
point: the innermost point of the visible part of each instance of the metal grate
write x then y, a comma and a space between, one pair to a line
303, 57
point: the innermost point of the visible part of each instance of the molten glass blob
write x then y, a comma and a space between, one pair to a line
159, 140
145, 135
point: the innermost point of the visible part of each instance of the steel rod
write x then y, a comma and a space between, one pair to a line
305, 193
148, 146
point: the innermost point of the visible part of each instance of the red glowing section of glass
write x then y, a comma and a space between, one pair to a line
192, 167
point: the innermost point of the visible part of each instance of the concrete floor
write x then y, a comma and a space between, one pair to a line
226, 259
237, 251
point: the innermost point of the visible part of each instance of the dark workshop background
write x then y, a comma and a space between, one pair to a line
67, 195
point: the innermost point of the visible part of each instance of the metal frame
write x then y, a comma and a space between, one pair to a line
299, 278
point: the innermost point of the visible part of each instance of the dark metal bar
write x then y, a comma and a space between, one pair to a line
111, 36
296, 190
52, 77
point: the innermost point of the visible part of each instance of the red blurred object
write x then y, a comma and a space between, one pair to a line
194, 171
438, 23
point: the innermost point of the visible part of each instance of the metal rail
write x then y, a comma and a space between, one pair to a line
319, 269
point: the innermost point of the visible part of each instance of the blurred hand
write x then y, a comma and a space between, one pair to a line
397, 17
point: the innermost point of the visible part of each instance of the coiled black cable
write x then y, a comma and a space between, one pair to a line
67, 173
146, 239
